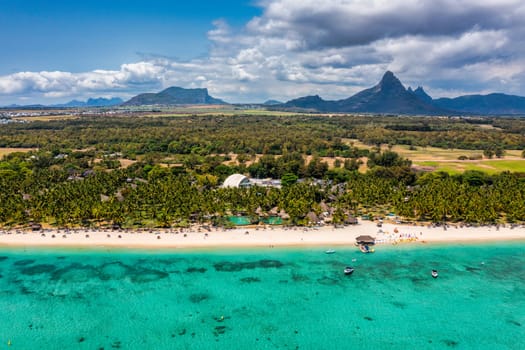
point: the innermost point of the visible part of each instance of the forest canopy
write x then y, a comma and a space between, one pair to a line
167, 171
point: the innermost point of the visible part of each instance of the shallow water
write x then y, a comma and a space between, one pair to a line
265, 299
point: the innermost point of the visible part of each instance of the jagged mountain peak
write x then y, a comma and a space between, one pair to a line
388, 96
390, 82
422, 94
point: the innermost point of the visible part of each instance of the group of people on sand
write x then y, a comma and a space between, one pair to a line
396, 237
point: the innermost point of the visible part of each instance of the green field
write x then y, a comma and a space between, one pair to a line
440, 159
489, 166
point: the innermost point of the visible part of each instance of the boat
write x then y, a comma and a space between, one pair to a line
348, 270
330, 251
434, 274
365, 248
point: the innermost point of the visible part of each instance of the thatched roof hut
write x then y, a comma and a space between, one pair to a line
351, 220
365, 239
312, 217
284, 215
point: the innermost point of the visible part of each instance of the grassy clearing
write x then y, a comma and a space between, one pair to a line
4, 151
47, 118
225, 112
426, 153
447, 159
433, 153
489, 166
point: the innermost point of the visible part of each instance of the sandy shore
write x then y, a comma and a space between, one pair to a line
260, 237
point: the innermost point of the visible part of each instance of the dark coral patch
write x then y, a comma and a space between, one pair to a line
24, 262
116, 345
300, 278
239, 266
196, 270
38, 269
250, 280
267, 264
219, 330
198, 297
399, 304
514, 322
450, 343
147, 275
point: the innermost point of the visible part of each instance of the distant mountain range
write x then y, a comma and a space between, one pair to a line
92, 102
484, 104
391, 97
175, 96
272, 103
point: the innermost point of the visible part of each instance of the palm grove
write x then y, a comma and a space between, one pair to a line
173, 167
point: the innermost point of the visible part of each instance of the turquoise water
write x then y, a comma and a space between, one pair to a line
264, 299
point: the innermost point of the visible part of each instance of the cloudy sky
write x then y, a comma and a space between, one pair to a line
254, 50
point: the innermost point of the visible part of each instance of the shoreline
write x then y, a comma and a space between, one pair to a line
267, 237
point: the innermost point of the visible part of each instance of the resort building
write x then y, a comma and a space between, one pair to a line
236, 181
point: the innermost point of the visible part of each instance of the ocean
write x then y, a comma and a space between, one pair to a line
264, 298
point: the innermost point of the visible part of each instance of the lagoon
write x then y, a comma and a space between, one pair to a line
281, 298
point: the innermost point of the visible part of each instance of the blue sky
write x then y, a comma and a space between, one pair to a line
84, 35
250, 51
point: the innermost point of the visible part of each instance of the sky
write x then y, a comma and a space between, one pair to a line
255, 50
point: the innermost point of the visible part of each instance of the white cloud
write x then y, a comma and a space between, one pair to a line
333, 48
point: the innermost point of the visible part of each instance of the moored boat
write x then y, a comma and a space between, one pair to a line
348, 270
365, 248
434, 274
330, 251
364, 242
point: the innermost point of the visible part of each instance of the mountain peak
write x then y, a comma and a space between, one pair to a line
390, 82
421, 94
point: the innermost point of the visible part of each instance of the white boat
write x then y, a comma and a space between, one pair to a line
348, 270
434, 274
330, 251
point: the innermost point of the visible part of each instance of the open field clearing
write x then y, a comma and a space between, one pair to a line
47, 118
489, 166
4, 151
226, 112
433, 153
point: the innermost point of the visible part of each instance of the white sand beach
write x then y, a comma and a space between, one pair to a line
326, 236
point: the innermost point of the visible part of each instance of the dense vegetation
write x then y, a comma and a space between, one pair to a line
205, 135
176, 165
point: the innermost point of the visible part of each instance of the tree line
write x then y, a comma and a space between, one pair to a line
152, 196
